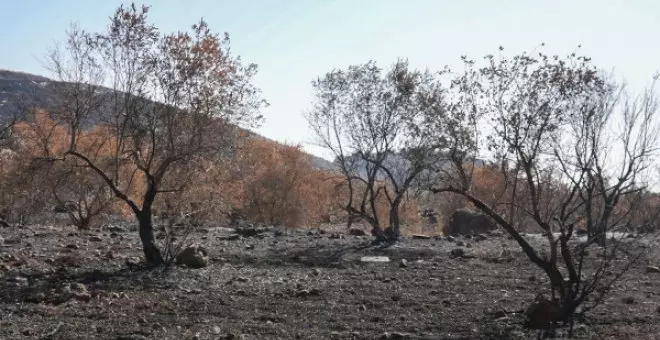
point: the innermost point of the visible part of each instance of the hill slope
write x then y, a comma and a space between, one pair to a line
20, 92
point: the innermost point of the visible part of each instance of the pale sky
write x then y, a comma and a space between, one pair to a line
295, 41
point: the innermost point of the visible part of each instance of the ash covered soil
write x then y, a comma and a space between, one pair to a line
60, 283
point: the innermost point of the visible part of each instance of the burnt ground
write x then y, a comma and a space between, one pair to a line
59, 283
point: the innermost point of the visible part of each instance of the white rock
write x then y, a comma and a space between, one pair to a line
375, 259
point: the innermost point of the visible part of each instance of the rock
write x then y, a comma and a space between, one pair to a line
76, 291
495, 233
116, 229
628, 300
249, 246
278, 233
421, 237
374, 259
395, 336
451, 238
250, 231
316, 272
403, 263
132, 262
19, 280
459, 243
232, 237
95, 239
479, 238
532, 278
542, 313
72, 246
335, 236
356, 232
36, 297
308, 292
467, 222
194, 256
458, 252
216, 330
652, 269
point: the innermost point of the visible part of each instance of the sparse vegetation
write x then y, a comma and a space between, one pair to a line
508, 199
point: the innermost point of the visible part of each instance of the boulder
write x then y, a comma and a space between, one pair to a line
542, 313
467, 222
194, 256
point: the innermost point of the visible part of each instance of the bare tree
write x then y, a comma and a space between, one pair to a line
372, 122
572, 146
161, 100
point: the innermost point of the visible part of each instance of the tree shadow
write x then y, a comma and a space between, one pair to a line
330, 257
46, 286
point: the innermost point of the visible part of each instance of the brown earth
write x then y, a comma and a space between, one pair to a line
58, 283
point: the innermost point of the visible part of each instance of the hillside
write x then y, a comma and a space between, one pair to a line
20, 92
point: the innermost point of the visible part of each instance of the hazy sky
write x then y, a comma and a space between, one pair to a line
295, 41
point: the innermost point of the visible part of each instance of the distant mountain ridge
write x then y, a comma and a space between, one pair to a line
20, 91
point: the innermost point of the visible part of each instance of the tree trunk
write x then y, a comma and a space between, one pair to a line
395, 221
151, 252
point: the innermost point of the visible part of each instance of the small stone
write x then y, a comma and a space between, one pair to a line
459, 243
72, 246
479, 238
458, 252
394, 336
216, 330
95, 238
451, 238
628, 300
116, 229
249, 247
652, 269
316, 272
356, 232
421, 237
232, 237
532, 278
403, 263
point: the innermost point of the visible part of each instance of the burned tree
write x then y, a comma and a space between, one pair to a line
168, 100
371, 121
572, 146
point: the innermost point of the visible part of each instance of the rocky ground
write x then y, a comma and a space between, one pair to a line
59, 283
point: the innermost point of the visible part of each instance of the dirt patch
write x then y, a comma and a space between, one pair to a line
287, 285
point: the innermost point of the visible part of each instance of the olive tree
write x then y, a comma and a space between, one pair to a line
372, 121
572, 146
162, 101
